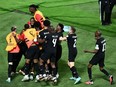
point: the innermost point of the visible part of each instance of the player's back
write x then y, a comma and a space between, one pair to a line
43, 33
71, 41
52, 40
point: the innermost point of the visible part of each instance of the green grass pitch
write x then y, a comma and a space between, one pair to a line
84, 15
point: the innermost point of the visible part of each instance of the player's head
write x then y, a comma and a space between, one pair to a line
33, 8
60, 27
32, 20
51, 29
13, 29
37, 25
26, 26
46, 23
72, 30
98, 34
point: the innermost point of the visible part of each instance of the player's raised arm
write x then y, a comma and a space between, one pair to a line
91, 51
62, 38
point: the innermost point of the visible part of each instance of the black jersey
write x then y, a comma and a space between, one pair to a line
101, 45
60, 34
52, 40
71, 41
43, 33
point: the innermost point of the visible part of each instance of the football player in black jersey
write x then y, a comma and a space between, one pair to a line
41, 38
72, 53
51, 40
59, 31
98, 58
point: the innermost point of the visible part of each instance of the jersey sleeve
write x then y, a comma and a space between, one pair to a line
68, 37
97, 45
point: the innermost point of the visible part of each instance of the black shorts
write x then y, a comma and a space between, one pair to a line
49, 54
32, 52
23, 48
13, 57
40, 53
72, 55
98, 59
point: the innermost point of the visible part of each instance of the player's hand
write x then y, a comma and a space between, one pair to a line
85, 51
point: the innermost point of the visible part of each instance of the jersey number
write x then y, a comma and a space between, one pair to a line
31, 33
104, 47
74, 45
54, 42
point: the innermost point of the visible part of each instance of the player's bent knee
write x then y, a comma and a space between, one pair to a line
68, 64
71, 65
41, 60
35, 60
53, 65
28, 61
100, 68
89, 65
48, 61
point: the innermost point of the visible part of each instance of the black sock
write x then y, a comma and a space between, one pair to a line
15, 64
36, 67
49, 68
74, 72
105, 72
54, 72
27, 68
90, 74
42, 69
14, 67
56, 66
9, 70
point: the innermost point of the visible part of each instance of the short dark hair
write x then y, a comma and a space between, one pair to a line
62, 26
13, 28
98, 33
32, 18
34, 6
47, 23
37, 25
26, 26
73, 29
